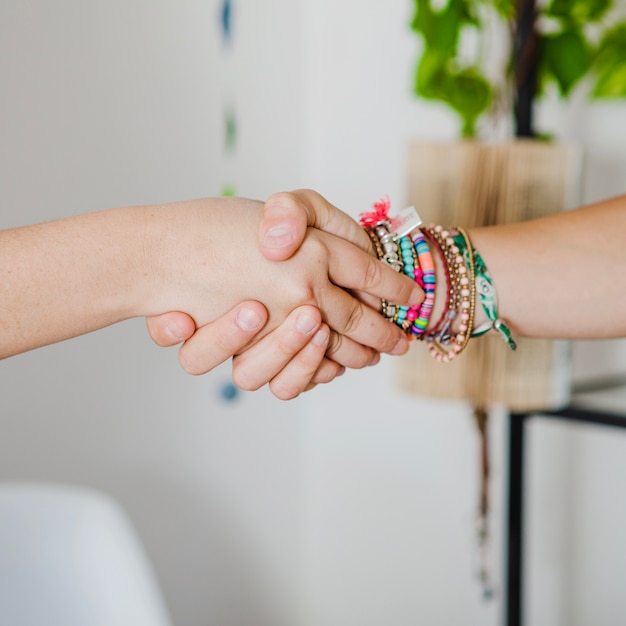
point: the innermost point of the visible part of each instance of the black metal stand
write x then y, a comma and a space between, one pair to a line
515, 539
515, 521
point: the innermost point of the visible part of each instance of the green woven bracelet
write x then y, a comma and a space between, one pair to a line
489, 300
488, 297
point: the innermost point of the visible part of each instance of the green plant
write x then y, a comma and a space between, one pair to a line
552, 44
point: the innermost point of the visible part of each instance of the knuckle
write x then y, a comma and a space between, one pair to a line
363, 358
244, 378
282, 198
354, 319
284, 391
301, 287
386, 340
324, 376
314, 248
374, 273
334, 343
348, 354
189, 362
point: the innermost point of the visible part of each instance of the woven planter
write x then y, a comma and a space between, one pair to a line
469, 184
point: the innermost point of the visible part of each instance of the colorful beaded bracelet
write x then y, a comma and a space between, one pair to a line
401, 255
441, 330
465, 275
446, 342
446, 274
426, 278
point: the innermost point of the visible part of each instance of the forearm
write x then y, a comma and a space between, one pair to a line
68, 277
561, 276
71, 276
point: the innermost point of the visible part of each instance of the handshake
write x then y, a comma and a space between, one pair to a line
295, 287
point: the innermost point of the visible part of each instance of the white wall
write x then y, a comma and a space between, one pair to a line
348, 506
113, 103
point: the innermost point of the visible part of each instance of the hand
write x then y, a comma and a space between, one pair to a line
286, 217
295, 350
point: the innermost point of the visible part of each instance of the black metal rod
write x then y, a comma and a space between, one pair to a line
515, 538
525, 59
516, 520
589, 416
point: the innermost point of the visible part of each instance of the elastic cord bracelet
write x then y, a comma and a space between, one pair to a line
456, 272
402, 256
467, 324
426, 278
446, 273
446, 343
384, 305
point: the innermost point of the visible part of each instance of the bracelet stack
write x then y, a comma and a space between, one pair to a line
464, 273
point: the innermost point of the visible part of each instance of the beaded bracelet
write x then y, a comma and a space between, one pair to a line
426, 278
445, 343
389, 246
465, 275
401, 256
446, 274
384, 305
441, 330
406, 316
467, 318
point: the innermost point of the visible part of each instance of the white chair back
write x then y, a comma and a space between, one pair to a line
70, 557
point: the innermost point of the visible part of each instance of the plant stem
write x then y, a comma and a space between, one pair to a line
525, 59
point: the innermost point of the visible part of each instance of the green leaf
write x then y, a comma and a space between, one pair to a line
465, 91
566, 59
611, 83
580, 11
470, 95
441, 29
609, 64
430, 75
506, 8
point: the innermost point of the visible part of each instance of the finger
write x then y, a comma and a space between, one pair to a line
354, 269
287, 215
216, 342
170, 329
327, 371
349, 353
298, 373
347, 316
260, 363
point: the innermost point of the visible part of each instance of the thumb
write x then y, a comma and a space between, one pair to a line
286, 217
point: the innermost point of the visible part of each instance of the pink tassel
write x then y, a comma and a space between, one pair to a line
378, 215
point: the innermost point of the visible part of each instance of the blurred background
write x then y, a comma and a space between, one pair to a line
355, 504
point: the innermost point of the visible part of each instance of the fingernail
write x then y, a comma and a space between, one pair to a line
401, 347
278, 237
174, 331
320, 338
247, 319
305, 323
417, 296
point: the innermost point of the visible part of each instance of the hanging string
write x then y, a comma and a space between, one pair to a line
229, 109
481, 418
